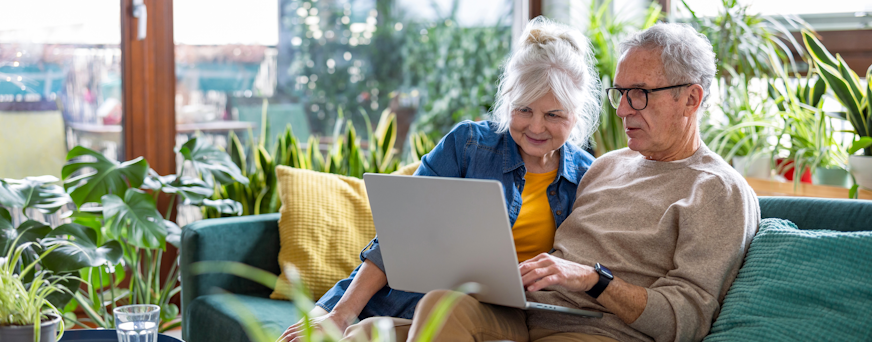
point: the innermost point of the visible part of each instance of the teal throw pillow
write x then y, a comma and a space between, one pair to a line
800, 285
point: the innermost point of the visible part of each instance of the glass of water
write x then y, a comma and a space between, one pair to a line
137, 323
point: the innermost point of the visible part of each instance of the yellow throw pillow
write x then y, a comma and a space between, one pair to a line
325, 222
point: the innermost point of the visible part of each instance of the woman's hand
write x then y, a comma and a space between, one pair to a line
545, 270
329, 321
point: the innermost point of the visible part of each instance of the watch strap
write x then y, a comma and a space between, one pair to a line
599, 287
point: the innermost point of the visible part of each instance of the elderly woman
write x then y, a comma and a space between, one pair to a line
547, 107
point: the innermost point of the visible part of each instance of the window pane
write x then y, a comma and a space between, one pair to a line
318, 65
60, 83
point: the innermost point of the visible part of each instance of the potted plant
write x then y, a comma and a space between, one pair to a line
808, 135
742, 136
115, 204
26, 314
848, 90
346, 156
81, 248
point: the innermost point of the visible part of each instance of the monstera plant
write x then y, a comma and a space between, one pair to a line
83, 248
117, 203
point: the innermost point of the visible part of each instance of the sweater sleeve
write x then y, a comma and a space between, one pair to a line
709, 251
445, 160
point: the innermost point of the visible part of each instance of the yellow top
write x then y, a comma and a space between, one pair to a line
534, 228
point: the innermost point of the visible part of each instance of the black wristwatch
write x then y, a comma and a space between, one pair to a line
605, 277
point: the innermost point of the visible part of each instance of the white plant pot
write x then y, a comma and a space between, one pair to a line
757, 167
861, 169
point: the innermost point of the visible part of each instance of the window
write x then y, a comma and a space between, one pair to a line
60, 83
319, 65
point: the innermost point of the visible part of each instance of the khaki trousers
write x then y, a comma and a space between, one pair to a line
470, 321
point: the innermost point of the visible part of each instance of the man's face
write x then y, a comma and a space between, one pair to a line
660, 130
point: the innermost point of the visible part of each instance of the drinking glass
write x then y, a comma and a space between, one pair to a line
137, 323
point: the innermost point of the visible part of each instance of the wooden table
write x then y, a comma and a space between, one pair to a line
765, 187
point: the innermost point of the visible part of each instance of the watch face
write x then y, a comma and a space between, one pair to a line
604, 271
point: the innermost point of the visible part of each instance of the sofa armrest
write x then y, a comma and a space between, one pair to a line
252, 240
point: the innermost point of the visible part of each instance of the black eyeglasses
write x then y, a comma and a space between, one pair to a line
638, 96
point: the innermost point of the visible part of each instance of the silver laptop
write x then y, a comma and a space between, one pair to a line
438, 233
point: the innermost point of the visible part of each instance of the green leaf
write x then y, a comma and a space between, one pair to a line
134, 219
33, 192
857, 145
82, 249
107, 176
843, 94
91, 217
850, 78
29, 231
95, 276
60, 299
211, 162
224, 206
817, 50
174, 233
169, 312
191, 189
5, 220
236, 151
817, 92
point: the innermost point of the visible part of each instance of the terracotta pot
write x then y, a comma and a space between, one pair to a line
24, 333
861, 169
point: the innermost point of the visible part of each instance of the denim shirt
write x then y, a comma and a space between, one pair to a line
472, 150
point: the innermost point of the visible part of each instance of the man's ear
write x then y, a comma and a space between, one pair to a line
694, 99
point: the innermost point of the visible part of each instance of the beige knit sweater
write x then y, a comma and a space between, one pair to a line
680, 229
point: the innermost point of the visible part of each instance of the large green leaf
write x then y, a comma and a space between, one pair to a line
843, 94
134, 219
817, 50
107, 176
28, 231
191, 189
82, 249
850, 78
211, 162
33, 192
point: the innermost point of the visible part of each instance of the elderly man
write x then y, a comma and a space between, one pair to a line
659, 229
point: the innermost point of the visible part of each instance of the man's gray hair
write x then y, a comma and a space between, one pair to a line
686, 54
554, 58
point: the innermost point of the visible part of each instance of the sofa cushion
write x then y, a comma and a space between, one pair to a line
325, 222
219, 317
800, 285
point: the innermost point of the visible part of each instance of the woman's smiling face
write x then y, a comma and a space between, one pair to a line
541, 128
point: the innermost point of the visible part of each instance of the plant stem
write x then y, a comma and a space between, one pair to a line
112, 291
156, 275
170, 207
102, 294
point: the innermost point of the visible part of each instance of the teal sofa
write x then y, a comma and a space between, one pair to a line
207, 313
